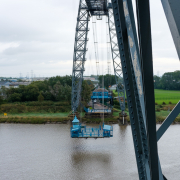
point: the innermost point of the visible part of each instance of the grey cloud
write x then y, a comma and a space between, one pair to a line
45, 33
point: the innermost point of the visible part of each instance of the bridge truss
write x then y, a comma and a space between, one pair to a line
133, 62
88, 8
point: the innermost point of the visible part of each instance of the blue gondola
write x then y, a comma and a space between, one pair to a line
79, 131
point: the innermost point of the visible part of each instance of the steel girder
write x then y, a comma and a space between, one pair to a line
133, 76
116, 60
97, 7
136, 118
79, 53
144, 30
171, 9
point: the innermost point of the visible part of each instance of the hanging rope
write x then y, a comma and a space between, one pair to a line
95, 46
108, 53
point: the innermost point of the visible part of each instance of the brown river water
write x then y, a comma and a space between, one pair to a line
46, 152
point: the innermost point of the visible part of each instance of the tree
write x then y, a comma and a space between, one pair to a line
1, 100
157, 82
15, 97
86, 92
109, 80
40, 97
90, 83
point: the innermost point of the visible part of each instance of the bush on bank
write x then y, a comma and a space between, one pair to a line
33, 120
19, 108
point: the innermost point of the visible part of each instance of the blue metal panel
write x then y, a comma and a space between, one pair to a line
100, 95
92, 132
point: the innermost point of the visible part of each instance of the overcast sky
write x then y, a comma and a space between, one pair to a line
38, 36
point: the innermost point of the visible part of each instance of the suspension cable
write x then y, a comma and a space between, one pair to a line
108, 52
95, 46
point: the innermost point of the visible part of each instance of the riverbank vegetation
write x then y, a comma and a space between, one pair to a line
49, 101
54, 89
162, 112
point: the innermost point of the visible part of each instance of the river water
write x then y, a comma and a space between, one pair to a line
46, 152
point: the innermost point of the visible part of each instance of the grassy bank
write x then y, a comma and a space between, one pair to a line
42, 115
39, 118
57, 112
164, 96
33, 120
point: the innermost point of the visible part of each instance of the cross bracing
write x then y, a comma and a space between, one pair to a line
116, 60
80, 50
88, 8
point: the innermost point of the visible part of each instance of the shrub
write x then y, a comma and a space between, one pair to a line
156, 103
40, 98
116, 106
62, 103
163, 103
13, 111
37, 103
158, 109
116, 102
170, 102
12, 108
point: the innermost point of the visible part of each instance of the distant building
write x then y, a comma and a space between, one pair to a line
13, 80
113, 87
38, 79
16, 84
5, 84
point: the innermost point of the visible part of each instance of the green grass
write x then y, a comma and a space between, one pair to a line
167, 96
163, 113
164, 96
37, 114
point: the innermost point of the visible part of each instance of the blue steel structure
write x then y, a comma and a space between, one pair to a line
135, 54
101, 95
88, 8
116, 59
79, 131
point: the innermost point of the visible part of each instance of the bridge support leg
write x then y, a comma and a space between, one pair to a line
116, 60
79, 53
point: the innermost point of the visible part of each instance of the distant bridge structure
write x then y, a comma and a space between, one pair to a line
132, 60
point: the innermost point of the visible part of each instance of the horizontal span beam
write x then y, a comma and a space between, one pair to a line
167, 122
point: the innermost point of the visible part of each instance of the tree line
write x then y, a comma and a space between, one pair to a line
168, 81
54, 89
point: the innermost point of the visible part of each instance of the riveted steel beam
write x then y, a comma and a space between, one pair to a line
131, 90
144, 31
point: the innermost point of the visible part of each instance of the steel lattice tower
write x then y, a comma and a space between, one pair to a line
88, 8
80, 50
